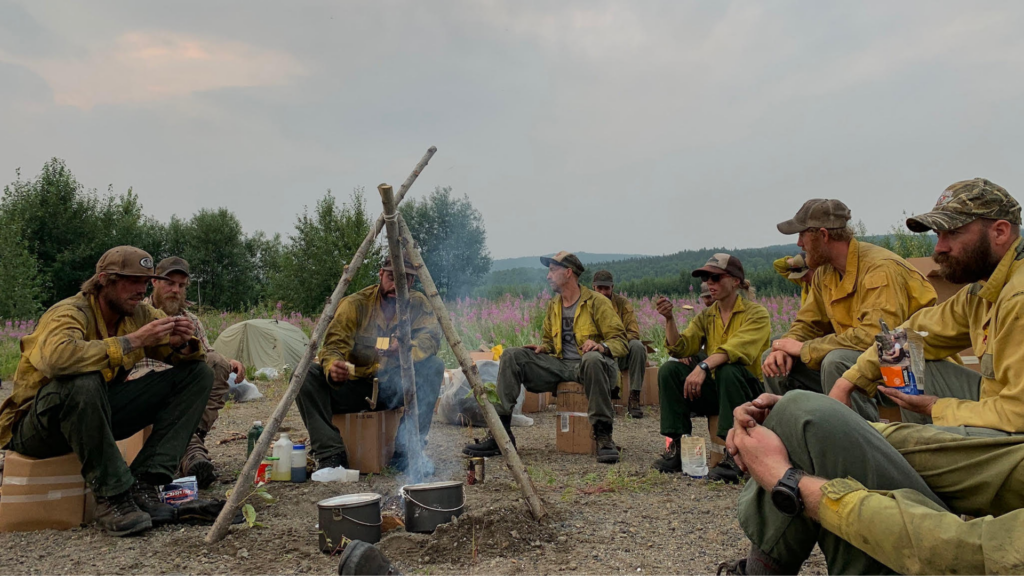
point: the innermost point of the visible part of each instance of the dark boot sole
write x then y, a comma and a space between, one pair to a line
636, 415
667, 470
480, 453
204, 472
608, 459
727, 479
140, 527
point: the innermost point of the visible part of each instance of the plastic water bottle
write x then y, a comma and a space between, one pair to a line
253, 436
283, 465
299, 463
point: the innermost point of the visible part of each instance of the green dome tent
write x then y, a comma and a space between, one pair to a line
263, 343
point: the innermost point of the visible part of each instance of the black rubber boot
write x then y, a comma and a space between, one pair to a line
726, 471
607, 451
633, 406
670, 462
488, 446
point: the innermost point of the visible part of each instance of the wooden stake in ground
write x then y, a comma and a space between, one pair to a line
413, 447
244, 483
515, 465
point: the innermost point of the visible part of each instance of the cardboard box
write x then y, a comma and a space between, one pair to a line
572, 423
50, 493
534, 402
649, 390
475, 356
717, 452
930, 269
369, 438
890, 413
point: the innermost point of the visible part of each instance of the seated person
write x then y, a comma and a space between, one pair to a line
330, 388
71, 393
855, 285
635, 360
583, 337
735, 332
796, 270
705, 295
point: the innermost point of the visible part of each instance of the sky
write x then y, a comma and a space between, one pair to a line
642, 127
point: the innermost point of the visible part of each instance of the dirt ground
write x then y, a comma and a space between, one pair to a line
622, 519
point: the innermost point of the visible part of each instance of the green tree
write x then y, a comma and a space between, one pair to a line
20, 281
451, 235
906, 243
311, 264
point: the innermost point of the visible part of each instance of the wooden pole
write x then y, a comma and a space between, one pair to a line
512, 460
245, 477
413, 447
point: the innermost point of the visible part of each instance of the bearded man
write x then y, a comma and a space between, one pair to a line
855, 285
169, 297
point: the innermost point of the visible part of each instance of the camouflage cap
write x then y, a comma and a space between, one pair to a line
127, 261
704, 290
966, 201
172, 264
720, 264
565, 260
603, 278
817, 213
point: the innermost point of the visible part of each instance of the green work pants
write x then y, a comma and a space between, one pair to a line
86, 415
729, 386
635, 362
319, 400
543, 373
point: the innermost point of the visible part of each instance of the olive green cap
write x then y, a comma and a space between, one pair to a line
603, 278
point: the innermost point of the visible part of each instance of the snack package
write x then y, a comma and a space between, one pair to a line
179, 491
901, 358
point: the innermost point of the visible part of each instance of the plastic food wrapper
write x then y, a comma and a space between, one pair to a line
338, 474
179, 491
693, 453
901, 358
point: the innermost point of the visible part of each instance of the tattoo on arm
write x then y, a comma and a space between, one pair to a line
126, 345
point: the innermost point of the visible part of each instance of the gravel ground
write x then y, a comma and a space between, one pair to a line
601, 519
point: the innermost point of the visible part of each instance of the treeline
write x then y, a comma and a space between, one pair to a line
53, 230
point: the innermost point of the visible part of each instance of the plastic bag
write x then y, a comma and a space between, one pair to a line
901, 359
244, 392
338, 474
179, 491
458, 407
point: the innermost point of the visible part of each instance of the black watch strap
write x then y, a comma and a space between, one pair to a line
786, 494
704, 366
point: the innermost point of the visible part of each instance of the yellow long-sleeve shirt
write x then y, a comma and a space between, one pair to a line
744, 339
842, 311
595, 320
624, 308
71, 338
988, 316
359, 321
782, 268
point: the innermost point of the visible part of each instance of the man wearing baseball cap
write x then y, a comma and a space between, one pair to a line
582, 339
635, 360
361, 345
796, 270
705, 295
71, 393
734, 332
855, 285
890, 498
169, 297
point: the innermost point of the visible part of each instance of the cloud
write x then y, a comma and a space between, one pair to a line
147, 66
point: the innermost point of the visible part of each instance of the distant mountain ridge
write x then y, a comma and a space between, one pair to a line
534, 261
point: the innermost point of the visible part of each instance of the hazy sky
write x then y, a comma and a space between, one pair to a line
640, 127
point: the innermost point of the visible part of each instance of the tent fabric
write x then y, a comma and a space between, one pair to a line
262, 343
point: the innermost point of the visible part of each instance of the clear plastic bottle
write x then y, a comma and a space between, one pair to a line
283, 465
298, 463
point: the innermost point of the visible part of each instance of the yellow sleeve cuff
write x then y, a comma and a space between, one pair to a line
942, 412
840, 497
115, 354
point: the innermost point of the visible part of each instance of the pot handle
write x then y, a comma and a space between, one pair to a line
422, 505
351, 519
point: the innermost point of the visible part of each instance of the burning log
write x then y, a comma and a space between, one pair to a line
245, 478
512, 460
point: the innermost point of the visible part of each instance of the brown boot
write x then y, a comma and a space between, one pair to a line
196, 461
119, 515
633, 406
607, 451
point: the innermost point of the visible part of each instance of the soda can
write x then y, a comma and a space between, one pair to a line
478, 466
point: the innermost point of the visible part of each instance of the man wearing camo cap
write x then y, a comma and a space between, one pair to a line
890, 498
635, 360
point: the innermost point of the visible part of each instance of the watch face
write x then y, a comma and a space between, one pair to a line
785, 501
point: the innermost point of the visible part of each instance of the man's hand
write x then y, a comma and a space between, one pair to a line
591, 346
921, 404
843, 390
238, 369
392, 349
339, 372
692, 386
182, 332
154, 333
537, 349
777, 363
753, 413
764, 455
788, 345
689, 360
664, 307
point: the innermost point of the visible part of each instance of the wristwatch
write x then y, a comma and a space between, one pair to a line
704, 366
786, 494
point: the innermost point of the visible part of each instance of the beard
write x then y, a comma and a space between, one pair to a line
977, 263
816, 254
120, 307
170, 304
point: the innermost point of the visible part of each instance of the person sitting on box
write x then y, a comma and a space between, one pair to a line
635, 359
582, 338
363, 321
705, 295
71, 393
796, 270
855, 285
169, 297
734, 331
978, 227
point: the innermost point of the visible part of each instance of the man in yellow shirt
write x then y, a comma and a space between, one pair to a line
735, 332
635, 360
71, 393
582, 338
888, 498
855, 285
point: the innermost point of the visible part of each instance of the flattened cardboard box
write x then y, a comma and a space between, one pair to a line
369, 438
572, 423
649, 390
40, 494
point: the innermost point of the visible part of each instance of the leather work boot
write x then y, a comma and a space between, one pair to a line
607, 451
633, 406
726, 471
670, 462
147, 498
198, 461
118, 515
488, 446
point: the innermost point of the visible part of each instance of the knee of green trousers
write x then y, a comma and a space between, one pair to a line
675, 408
